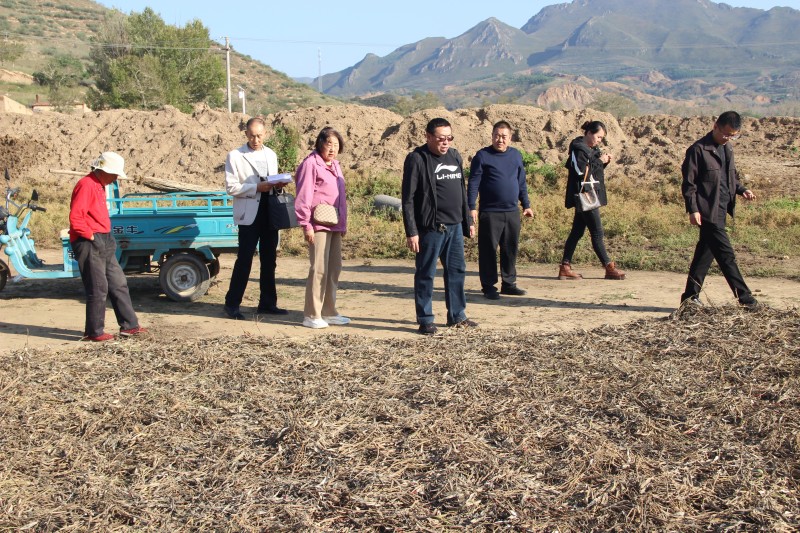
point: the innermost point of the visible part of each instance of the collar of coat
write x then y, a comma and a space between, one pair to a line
708, 144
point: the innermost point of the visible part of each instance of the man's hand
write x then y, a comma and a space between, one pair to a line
748, 195
264, 186
694, 219
527, 213
413, 243
474, 215
472, 231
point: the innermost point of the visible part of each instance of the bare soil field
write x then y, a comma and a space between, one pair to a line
376, 294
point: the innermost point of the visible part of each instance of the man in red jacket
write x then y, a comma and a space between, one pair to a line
95, 251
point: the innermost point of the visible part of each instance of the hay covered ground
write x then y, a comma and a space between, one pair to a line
686, 423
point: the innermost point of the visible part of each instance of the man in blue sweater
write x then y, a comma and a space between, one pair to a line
497, 174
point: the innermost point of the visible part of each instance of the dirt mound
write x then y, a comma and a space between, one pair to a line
12, 76
172, 145
568, 96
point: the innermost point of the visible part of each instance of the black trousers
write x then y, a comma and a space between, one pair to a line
498, 229
714, 244
581, 221
103, 278
258, 234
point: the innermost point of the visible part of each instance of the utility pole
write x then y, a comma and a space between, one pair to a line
228, 69
319, 69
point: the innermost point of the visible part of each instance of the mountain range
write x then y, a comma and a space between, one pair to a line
653, 51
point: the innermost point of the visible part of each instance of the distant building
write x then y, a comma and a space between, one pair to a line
7, 105
40, 106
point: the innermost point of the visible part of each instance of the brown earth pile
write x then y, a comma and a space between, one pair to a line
168, 144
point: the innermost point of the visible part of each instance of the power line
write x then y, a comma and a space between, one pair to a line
587, 69
331, 43
156, 46
114, 46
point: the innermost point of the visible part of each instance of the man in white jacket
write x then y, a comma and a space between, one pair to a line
246, 170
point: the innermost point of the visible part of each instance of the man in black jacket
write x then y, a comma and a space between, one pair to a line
710, 185
436, 220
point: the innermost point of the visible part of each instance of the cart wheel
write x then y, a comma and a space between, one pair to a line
184, 278
4, 271
213, 268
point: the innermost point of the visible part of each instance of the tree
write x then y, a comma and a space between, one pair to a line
141, 62
61, 76
385, 101
284, 143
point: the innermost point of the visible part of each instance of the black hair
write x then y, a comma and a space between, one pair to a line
326, 133
436, 123
502, 125
593, 126
730, 118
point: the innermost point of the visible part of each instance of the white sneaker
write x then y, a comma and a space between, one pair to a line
337, 320
314, 323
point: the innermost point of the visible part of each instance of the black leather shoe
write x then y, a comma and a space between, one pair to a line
274, 310
692, 301
513, 290
466, 323
491, 295
748, 302
234, 313
426, 329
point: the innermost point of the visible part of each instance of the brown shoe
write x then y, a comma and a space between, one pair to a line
612, 272
565, 272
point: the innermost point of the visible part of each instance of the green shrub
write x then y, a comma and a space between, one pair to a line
541, 175
285, 141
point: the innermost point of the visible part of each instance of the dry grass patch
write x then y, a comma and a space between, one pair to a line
691, 423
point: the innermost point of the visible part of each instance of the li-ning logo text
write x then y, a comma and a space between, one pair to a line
453, 169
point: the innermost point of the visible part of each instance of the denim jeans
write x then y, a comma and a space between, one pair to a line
102, 277
447, 246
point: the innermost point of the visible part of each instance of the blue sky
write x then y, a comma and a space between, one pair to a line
290, 35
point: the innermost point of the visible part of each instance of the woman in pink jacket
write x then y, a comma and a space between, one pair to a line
320, 181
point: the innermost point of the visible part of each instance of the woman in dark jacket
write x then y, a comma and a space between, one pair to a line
585, 151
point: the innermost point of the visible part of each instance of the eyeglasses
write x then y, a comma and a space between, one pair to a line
731, 137
444, 138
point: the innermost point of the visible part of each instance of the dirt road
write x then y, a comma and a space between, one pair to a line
376, 294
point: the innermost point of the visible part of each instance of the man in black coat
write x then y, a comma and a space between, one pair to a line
436, 219
710, 185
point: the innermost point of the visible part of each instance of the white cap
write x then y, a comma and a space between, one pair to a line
112, 163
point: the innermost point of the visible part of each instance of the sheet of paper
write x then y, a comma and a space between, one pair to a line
280, 178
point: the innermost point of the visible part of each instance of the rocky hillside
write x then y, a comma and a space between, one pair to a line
171, 145
682, 53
